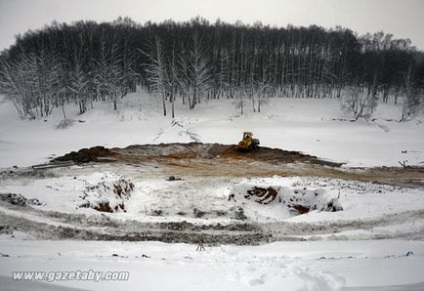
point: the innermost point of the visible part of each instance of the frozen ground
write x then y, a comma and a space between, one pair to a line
304, 125
374, 243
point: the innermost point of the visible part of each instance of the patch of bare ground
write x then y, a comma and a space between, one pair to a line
209, 160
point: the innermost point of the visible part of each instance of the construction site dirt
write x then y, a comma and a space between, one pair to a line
185, 211
208, 160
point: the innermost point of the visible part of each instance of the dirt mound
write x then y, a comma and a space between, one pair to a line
86, 155
210, 151
138, 153
265, 154
213, 159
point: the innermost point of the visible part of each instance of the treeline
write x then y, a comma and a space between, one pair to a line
87, 62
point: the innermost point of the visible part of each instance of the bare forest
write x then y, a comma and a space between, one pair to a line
88, 62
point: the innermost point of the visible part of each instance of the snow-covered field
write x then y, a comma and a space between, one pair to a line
319, 265
375, 243
304, 125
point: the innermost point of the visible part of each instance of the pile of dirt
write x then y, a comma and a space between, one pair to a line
265, 154
137, 153
213, 159
86, 155
164, 150
216, 149
209, 151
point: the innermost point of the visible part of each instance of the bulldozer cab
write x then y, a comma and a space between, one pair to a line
248, 142
247, 135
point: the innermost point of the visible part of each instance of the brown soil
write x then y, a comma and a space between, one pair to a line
208, 160
86, 155
208, 151
262, 195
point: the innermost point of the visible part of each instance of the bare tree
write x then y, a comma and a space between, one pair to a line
413, 100
79, 83
47, 71
196, 75
240, 101
19, 82
157, 71
262, 87
173, 81
116, 76
357, 103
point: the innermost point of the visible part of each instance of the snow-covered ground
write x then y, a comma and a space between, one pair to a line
304, 125
370, 211
375, 243
319, 265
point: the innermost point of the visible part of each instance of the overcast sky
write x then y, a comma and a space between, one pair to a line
403, 18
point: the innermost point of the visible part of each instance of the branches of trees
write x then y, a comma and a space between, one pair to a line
62, 64
87, 62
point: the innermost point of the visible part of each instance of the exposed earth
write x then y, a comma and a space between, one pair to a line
195, 215
216, 160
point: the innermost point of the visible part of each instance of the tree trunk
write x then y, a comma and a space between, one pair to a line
163, 104
63, 111
173, 105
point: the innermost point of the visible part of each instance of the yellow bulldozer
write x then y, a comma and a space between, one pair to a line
248, 143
